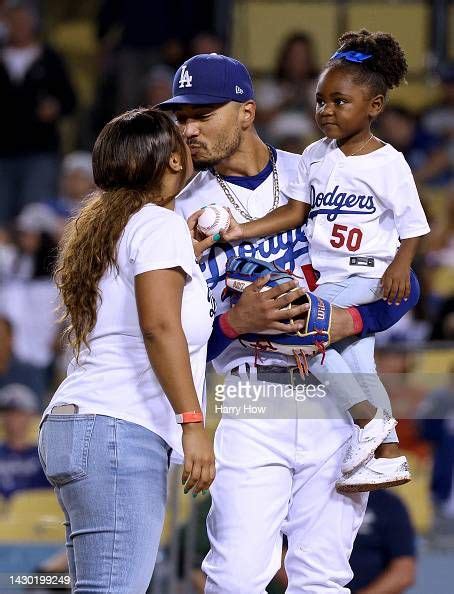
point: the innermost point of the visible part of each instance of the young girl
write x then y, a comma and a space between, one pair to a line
359, 198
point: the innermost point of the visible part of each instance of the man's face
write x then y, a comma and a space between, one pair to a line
16, 423
212, 132
6, 346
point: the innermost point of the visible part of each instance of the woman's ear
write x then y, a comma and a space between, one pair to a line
175, 163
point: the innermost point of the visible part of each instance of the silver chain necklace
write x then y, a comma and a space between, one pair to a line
363, 146
236, 202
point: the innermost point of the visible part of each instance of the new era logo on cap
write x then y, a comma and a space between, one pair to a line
210, 78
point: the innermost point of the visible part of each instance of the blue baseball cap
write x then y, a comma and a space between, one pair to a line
210, 78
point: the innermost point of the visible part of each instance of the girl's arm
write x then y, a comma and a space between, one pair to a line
286, 217
396, 280
167, 349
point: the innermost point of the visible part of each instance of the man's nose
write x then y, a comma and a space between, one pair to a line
190, 129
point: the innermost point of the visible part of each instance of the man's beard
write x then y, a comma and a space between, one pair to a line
223, 149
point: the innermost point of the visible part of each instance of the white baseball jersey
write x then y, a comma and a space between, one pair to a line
289, 250
360, 207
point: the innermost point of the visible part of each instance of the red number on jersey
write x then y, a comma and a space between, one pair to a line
341, 232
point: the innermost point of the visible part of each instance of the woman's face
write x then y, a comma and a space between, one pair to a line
189, 163
297, 63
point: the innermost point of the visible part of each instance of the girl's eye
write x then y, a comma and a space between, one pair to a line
320, 102
340, 102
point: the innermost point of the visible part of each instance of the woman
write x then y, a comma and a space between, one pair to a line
139, 319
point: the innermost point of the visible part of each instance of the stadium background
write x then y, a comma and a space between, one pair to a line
122, 54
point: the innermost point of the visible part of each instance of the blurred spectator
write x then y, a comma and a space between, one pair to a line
29, 301
14, 371
158, 85
436, 424
286, 101
443, 328
35, 92
206, 42
424, 152
76, 182
20, 468
439, 118
3, 25
136, 35
383, 556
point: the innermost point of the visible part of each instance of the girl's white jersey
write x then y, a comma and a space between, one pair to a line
360, 207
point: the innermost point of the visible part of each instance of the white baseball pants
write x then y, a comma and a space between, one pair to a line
274, 476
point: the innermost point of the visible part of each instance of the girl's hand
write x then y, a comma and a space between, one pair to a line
396, 282
199, 469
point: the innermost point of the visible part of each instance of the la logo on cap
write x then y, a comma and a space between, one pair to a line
185, 78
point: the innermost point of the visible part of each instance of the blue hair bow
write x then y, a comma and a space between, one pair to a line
351, 56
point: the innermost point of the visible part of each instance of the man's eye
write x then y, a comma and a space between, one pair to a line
320, 102
340, 102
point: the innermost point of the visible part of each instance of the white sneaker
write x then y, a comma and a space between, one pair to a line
365, 441
378, 473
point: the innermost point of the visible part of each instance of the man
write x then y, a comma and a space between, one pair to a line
384, 556
20, 468
273, 475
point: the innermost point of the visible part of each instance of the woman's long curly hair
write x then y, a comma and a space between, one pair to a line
130, 157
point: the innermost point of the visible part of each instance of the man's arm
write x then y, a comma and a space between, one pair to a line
373, 317
256, 312
261, 311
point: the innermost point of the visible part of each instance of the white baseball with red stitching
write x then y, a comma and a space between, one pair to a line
214, 219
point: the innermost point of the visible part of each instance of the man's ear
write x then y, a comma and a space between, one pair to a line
376, 106
247, 114
175, 163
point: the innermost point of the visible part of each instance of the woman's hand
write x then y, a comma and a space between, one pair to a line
199, 469
200, 242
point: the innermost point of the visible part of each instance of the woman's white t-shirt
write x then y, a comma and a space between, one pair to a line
114, 377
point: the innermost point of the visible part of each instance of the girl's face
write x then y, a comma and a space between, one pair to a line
344, 108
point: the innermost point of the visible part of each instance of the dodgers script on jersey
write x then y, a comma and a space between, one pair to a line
289, 250
360, 207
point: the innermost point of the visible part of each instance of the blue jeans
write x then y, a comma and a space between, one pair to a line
110, 478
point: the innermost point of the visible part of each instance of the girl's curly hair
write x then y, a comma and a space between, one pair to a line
386, 68
130, 157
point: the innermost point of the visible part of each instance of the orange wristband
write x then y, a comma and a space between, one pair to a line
189, 417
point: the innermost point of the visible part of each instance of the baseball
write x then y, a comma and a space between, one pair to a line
214, 219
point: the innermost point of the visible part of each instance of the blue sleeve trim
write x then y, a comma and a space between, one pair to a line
218, 341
